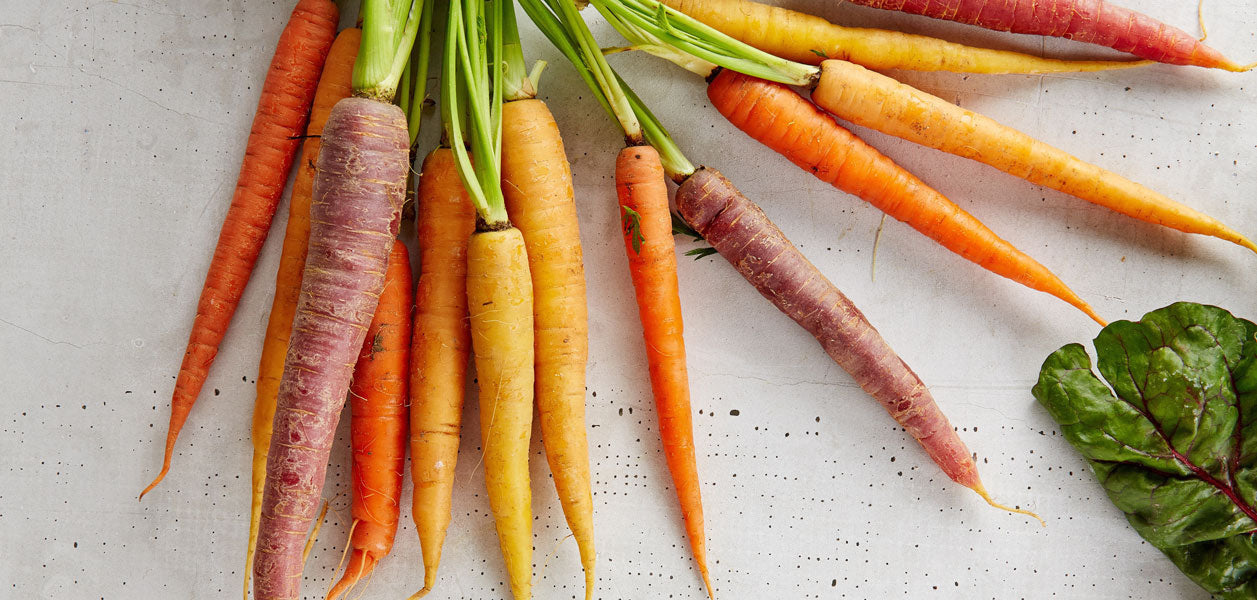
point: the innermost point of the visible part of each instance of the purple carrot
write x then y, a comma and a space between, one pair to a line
744, 235
354, 216
1091, 21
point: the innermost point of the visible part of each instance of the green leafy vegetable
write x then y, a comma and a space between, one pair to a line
701, 253
1176, 447
632, 223
680, 227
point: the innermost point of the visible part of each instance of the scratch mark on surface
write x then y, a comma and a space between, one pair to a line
42, 337
150, 100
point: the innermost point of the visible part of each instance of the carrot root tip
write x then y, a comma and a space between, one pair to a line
166, 469
419, 594
989, 500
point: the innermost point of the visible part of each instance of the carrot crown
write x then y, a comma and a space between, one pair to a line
561, 22
693, 45
471, 89
389, 28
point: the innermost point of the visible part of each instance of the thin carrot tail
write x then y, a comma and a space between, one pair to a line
314, 535
981, 490
702, 570
165, 467
421, 593
360, 563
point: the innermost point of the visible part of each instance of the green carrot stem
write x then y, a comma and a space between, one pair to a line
649, 24
470, 79
388, 33
418, 74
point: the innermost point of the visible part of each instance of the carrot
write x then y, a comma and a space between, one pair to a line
439, 350
744, 235
866, 98
779, 118
499, 288
334, 84
378, 423
537, 186
354, 214
809, 39
1091, 21
357, 202
643, 196
283, 108
537, 189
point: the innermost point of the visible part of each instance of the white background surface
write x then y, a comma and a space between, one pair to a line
123, 124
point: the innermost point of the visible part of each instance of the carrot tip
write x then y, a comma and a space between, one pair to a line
419, 594
365, 565
165, 468
1243, 241
985, 496
711, 592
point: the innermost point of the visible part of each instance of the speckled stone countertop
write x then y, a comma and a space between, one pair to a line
123, 125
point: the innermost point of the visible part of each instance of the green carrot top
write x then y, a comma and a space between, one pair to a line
389, 28
471, 96
693, 45
563, 25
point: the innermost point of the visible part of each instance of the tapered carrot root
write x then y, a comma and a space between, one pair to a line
866, 98
810, 39
499, 299
354, 217
537, 185
786, 122
744, 235
641, 188
1091, 21
378, 424
439, 351
283, 108
334, 84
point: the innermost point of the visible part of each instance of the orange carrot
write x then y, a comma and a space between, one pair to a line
867, 98
280, 120
378, 423
334, 84
439, 350
783, 120
643, 195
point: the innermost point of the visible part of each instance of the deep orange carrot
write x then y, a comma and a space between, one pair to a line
440, 348
334, 84
378, 424
783, 120
280, 120
643, 195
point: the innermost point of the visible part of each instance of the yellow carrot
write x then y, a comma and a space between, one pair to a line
537, 186
810, 39
499, 298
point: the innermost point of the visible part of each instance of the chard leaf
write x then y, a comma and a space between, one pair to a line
1169, 432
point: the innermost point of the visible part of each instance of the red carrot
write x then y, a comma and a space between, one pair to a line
280, 120
353, 221
744, 235
1091, 21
